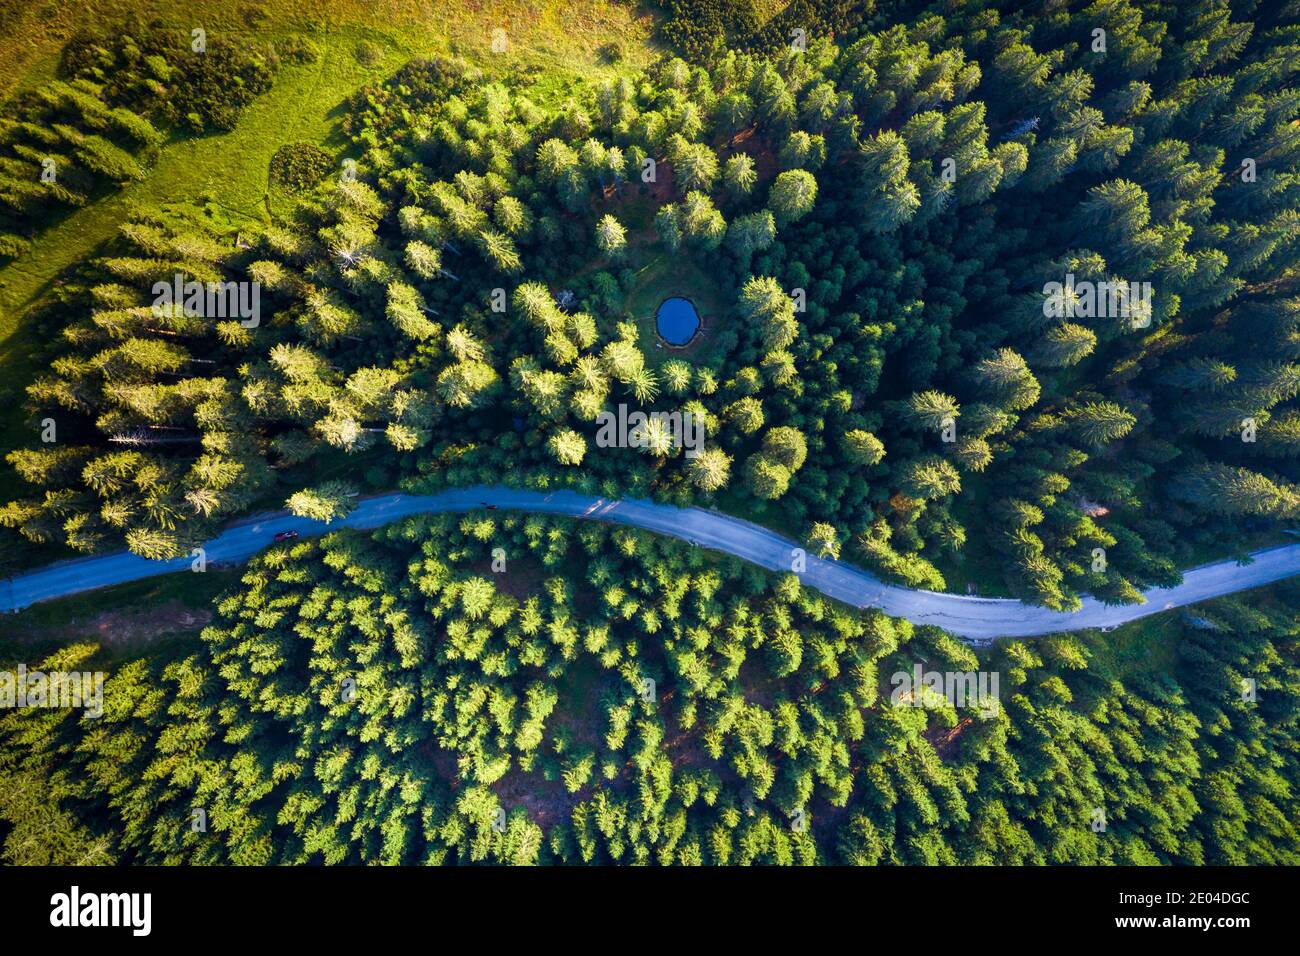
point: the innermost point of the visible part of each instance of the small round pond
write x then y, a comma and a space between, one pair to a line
677, 321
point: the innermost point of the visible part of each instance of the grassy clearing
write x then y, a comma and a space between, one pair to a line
120, 619
739, 502
231, 169
574, 31
1145, 646
662, 276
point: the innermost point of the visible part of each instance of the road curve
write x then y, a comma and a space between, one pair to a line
974, 618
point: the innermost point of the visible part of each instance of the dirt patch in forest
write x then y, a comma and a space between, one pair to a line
756, 683
122, 628
522, 578
657, 193
944, 739
635, 205
756, 147
547, 802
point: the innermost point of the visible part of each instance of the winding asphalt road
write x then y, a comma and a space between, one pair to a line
977, 619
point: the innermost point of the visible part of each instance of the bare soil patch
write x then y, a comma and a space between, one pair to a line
123, 628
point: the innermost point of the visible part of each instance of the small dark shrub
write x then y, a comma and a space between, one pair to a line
300, 166
369, 53
298, 49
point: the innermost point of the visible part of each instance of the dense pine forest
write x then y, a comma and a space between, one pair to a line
613, 697
994, 296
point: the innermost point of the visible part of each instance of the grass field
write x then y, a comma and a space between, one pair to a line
120, 619
1145, 646
662, 277
572, 32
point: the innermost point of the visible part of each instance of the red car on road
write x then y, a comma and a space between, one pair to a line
286, 535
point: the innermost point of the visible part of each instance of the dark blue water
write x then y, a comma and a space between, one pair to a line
677, 321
